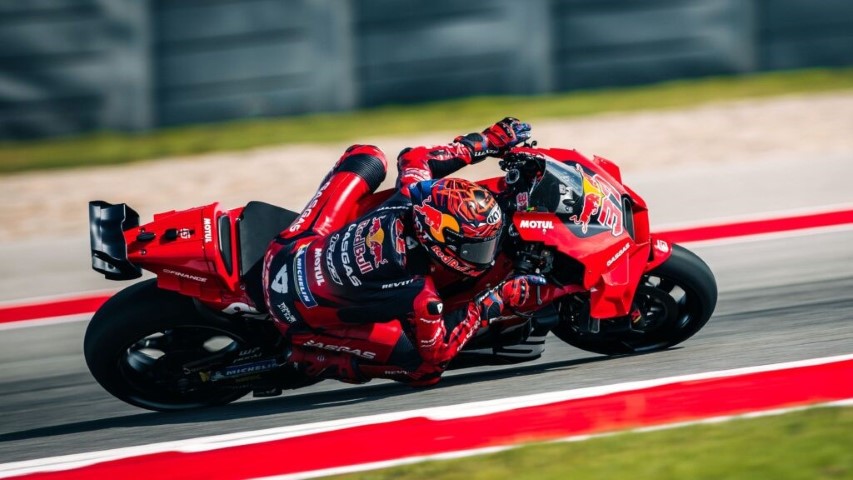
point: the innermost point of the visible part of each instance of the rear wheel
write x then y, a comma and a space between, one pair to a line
139, 341
674, 301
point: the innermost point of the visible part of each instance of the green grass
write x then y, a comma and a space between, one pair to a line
810, 445
456, 116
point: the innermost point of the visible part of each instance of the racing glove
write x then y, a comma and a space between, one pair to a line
511, 293
497, 139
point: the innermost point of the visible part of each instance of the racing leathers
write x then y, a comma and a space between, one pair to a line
334, 283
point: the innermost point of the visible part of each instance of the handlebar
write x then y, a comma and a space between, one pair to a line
521, 165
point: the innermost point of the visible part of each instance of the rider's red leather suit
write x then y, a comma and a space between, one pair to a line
330, 277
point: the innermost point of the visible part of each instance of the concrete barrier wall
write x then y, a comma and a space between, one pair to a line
69, 66
222, 60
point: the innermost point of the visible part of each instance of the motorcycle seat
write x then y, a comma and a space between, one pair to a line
258, 225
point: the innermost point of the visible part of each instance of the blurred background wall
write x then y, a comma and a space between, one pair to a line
70, 66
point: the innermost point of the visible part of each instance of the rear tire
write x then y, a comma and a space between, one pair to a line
137, 341
676, 300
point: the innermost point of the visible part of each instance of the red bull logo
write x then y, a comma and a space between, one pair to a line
374, 239
591, 206
600, 199
359, 248
436, 221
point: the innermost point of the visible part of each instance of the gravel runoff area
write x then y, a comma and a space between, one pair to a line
53, 203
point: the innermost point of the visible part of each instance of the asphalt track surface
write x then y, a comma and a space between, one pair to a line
782, 298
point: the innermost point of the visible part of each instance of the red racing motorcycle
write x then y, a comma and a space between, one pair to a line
191, 338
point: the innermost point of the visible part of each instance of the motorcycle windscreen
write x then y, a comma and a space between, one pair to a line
558, 190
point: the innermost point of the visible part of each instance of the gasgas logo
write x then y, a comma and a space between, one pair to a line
618, 255
543, 224
341, 348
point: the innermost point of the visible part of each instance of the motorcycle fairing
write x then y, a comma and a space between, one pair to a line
580, 207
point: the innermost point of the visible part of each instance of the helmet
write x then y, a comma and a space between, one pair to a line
459, 223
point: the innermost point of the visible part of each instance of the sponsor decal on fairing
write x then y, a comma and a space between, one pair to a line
208, 230
176, 273
618, 254
522, 201
601, 200
536, 224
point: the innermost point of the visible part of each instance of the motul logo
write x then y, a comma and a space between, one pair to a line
208, 231
543, 224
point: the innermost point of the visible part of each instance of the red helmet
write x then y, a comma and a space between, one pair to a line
459, 223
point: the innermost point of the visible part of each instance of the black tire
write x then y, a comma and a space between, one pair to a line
136, 342
676, 300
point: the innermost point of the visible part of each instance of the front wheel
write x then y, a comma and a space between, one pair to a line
674, 301
139, 341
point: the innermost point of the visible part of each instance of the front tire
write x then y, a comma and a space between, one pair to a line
675, 300
137, 342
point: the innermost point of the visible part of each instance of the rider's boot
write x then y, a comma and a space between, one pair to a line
322, 364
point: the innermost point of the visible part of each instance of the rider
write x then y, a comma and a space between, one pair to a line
331, 277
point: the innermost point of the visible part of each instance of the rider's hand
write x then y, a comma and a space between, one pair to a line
506, 134
515, 291
497, 139
511, 293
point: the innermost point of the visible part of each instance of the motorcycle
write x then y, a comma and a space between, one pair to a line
192, 337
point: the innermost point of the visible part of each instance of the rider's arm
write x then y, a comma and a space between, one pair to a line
425, 163
439, 336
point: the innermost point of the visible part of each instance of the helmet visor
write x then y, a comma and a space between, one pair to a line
481, 253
